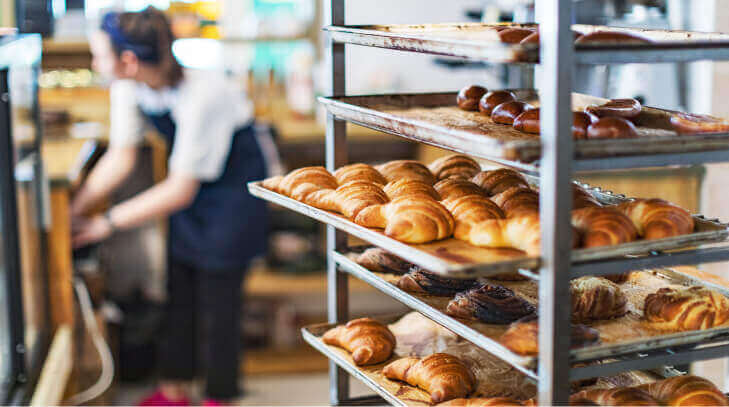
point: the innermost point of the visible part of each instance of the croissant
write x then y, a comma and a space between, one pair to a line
685, 391
454, 166
583, 199
411, 188
521, 233
624, 396
359, 172
603, 226
309, 185
369, 341
496, 181
351, 198
381, 261
596, 298
492, 304
686, 309
410, 220
394, 170
482, 402
518, 201
522, 337
272, 183
443, 376
658, 219
425, 282
452, 188
472, 209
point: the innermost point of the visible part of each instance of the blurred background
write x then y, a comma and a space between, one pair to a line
272, 50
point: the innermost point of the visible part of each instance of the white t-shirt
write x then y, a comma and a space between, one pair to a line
205, 108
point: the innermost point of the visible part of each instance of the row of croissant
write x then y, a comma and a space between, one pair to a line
593, 299
454, 197
449, 381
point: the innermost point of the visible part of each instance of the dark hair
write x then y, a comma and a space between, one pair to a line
148, 34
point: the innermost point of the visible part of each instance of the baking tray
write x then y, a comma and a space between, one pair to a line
641, 338
434, 119
495, 377
457, 258
479, 41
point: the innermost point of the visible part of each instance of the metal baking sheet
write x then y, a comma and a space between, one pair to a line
480, 41
486, 336
434, 118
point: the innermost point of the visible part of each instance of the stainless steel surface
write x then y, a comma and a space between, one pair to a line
524, 364
522, 152
555, 203
313, 340
336, 156
479, 41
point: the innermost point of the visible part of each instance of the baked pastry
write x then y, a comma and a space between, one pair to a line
528, 121
410, 188
625, 108
469, 96
309, 185
583, 199
603, 227
514, 35
534, 37
492, 304
698, 123
521, 233
471, 209
596, 298
518, 201
522, 337
622, 396
351, 198
482, 402
369, 341
272, 183
506, 112
658, 219
494, 98
685, 390
425, 282
443, 376
358, 172
580, 122
410, 220
454, 166
611, 37
411, 169
611, 127
452, 188
499, 180
381, 261
686, 309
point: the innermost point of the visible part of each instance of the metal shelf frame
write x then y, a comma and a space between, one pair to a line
557, 58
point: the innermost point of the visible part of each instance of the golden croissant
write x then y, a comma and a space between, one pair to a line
603, 226
518, 201
443, 376
685, 309
359, 172
686, 391
454, 166
410, 220
369, 341
411, 169
497, 181
658, 219
410, 188
521, 233
452, 188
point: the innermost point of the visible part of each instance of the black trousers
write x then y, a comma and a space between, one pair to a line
203, 308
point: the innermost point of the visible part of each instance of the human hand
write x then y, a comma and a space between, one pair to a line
90, 230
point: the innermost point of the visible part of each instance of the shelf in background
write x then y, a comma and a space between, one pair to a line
479, 41
262, 281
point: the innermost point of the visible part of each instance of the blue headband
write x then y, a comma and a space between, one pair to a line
145, 53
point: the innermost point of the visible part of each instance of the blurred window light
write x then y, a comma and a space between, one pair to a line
198, 53
58, 7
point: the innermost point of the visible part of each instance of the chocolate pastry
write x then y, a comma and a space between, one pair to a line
381, 261
698, 123
425, 282
492, 304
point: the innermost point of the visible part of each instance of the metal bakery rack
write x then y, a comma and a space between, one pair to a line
558, 158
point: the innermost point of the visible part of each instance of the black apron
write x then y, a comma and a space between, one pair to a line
225, 226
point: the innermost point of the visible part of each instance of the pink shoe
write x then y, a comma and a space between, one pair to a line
213, 403
159, 399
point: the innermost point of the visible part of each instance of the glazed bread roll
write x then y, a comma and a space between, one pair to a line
624, 396
507, 112
611, 128
469, 96
369, 341
380, 260
528, 121
499, 180
471, 209
454, 166
443, 376
686, 391
494, 98
595, 298
518, 201
698, 123
453, 188
521, 233
686, 309
409, 220
522, 337
425, 282
491, 304
658, 219
514, 35
358, 172
580, 122
625, 108
411, 169
603, 227
412, 188
611, 37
